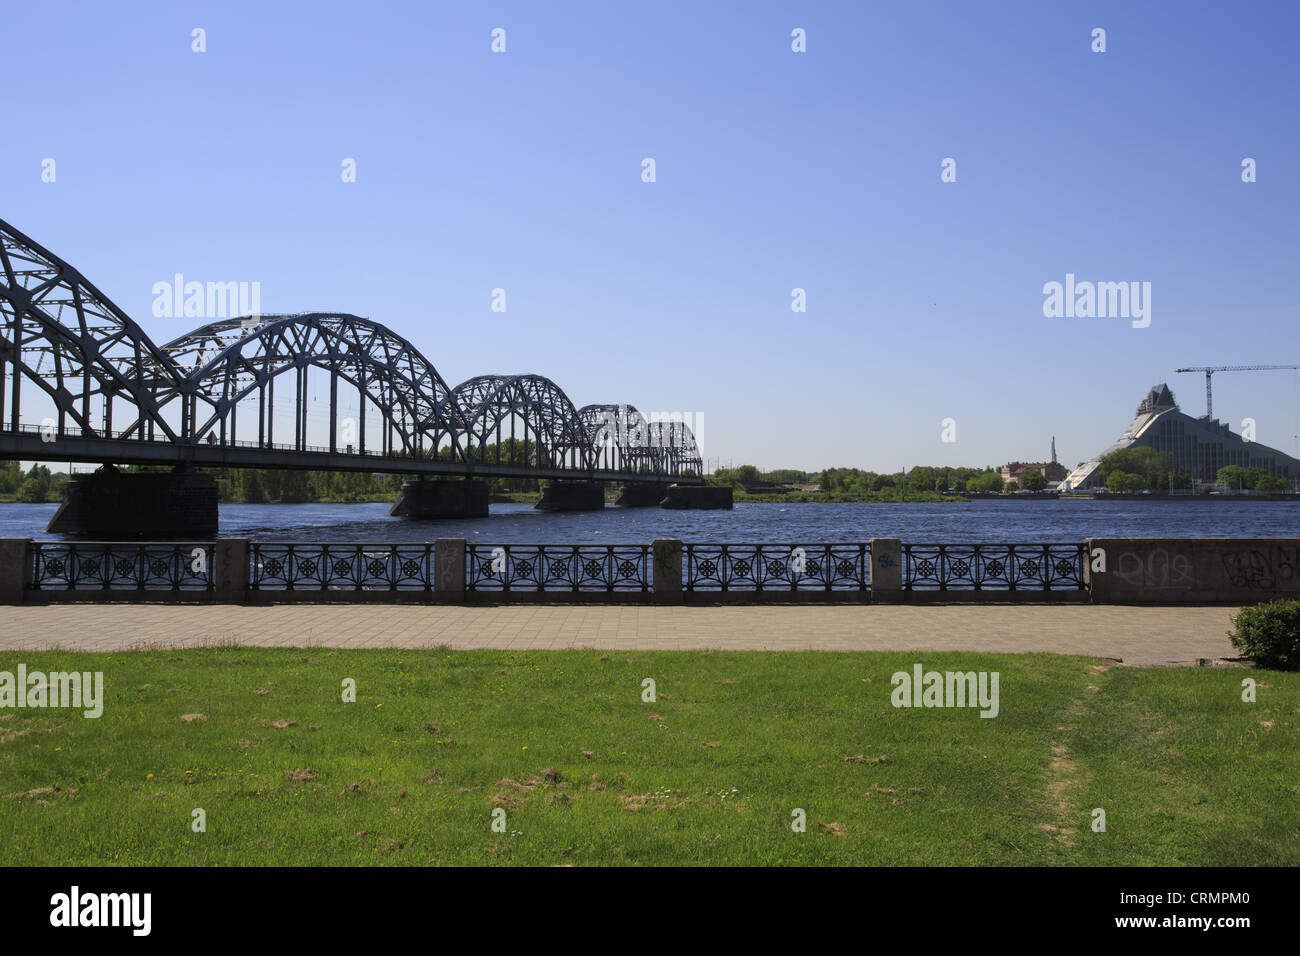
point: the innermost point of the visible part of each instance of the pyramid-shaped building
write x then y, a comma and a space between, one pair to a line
1200, 446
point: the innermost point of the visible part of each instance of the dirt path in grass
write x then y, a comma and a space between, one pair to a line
1066, 819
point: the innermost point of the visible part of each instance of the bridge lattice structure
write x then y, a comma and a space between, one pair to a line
119, 397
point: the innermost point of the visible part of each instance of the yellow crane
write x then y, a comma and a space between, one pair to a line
1209, 370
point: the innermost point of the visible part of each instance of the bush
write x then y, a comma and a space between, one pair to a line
1269, 634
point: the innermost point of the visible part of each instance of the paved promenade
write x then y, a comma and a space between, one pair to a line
1137, 635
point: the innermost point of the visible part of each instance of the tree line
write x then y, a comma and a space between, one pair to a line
1255, 479
34, 486
849, 482
1126, 470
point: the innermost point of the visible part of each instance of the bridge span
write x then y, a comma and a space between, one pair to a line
81, 381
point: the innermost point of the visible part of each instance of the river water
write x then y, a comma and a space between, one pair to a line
992, 521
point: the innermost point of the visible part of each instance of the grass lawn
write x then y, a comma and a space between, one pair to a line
589, 773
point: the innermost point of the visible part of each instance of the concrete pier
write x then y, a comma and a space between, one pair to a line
114, 505
572, 496
698, 497
449, 498
642, 494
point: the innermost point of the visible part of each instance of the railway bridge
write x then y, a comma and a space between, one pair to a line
80, 381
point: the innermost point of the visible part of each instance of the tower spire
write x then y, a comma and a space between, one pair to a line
1053, 449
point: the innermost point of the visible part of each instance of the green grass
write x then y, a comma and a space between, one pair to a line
589, 773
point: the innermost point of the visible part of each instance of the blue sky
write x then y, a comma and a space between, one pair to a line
775, 170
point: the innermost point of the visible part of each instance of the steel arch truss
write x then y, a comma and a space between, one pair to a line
672, 445
622, 440
619, 437
228, 361
88, 359
62, 335
531, 413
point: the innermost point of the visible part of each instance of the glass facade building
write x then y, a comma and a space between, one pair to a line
1200, 446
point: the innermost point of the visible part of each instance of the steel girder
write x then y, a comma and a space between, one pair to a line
68, 339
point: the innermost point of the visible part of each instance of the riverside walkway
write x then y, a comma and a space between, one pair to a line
1137, 635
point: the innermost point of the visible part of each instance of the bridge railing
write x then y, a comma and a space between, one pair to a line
72, 431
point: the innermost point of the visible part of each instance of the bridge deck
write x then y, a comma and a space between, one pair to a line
29, 446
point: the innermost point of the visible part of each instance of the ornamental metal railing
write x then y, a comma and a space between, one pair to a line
558, 567
776, 567
340, 567
121, 566
994, 567
574, 568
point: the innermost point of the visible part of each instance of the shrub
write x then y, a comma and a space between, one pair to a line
1269, 634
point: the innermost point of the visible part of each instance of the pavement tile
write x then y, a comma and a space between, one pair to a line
1138, 635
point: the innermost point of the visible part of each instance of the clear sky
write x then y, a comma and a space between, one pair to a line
775, 170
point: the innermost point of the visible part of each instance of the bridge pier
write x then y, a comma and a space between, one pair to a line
700, 497
441, 499
572, 496
113, 505
642, 494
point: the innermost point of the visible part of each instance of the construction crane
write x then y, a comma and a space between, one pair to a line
1209, 370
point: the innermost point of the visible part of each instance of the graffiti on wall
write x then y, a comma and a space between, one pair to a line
1159, 570
1254, 569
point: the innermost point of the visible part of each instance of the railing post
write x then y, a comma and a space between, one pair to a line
449, 569
15, 569
230, 571
667, 580
1094, 582
886, 569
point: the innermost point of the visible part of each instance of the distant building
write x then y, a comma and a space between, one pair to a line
1051, 470
1200, 446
